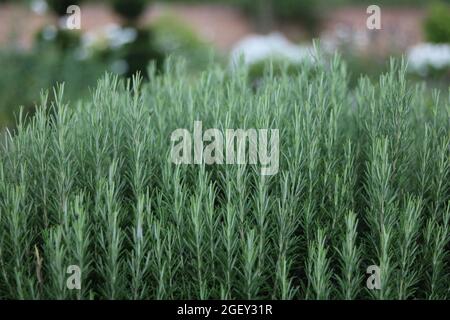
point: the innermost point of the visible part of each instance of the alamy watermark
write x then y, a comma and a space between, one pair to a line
73, 18
250, 146
373, 22
374, 280
74, 280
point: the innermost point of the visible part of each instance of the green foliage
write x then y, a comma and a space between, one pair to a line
274, 66
380, 2
129, 9
166, 36
437, 23
304, 11
61, 39
60, 6
361, 65
140, 52
40, 69
175, 38
363, 180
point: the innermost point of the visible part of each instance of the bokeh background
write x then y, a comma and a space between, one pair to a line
37, 51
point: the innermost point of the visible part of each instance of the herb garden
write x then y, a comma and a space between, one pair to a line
363, 181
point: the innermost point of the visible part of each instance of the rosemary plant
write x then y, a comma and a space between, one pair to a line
363, 180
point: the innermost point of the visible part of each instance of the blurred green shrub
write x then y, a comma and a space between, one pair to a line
60, 6
25, 74
140, 52
137, 54
437, 23
173, 37
274, 67
304, 11
126, 50
136, 47
129, 9
62, 39
369, 66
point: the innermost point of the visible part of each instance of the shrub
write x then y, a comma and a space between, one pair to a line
304, 11
273, 66
126, 49
174, 38
130, 9
60, 6
64, 40
363, 180
140, 52
437, 23
41, 68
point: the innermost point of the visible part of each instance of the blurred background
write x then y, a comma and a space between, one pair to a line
37, 50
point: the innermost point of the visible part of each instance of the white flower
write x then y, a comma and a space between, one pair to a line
112, 35
425, 55
39, 6
257, 48
118, 36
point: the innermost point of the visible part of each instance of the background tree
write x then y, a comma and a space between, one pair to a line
60, 6
130, 10
142, 50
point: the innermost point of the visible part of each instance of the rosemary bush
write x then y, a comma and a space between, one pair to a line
363, 180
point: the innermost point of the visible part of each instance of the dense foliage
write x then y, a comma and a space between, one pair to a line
130, 9
60, 6
39, 69
59, 55
437, 23
363, 180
